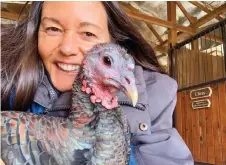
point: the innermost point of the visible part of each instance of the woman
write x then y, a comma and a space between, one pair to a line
41, 54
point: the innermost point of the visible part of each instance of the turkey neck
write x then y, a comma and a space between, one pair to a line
82, 109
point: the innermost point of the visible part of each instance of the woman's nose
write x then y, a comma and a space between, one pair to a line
70, 46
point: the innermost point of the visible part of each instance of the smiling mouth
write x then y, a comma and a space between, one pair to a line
68, 67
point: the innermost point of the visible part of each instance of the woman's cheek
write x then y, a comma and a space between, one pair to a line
47, 44
85, 47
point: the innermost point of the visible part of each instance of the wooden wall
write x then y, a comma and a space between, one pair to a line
204, 130
195, 67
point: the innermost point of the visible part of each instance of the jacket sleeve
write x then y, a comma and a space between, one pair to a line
163, 145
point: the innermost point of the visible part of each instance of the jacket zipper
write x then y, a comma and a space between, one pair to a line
141, 108
46, 111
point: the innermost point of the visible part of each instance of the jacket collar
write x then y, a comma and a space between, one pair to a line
48, 97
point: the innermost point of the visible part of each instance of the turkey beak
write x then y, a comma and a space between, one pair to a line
130, 88
132, 94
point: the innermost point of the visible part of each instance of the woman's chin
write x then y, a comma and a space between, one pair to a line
63, 83
62, 80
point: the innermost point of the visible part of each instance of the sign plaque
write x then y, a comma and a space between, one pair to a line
201, 104
200, 93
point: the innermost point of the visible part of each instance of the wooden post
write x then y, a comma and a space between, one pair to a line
195, 43
171, 14
172, 35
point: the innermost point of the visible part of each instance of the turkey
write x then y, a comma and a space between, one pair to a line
96, 130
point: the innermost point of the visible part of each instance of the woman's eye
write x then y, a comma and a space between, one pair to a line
53, 30
88, 34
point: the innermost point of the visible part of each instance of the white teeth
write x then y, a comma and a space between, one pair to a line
68, 67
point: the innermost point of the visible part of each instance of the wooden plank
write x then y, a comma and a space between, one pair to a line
203, 8
189, 122
180, 69
216, 125
196, 135
196, 72
222, 116
184, 112
187, 118
184, 66
209, 68
179, 114
195, 45
209, 134
220, 63
193, 67
214, 61
201, 68
187, 15
205, 66
154, 32
190, 62
218, 66
203, 143
10, 16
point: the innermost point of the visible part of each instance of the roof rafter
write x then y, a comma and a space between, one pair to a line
10, 16
205, 9
153, 20
184, 11
198, 23
209, 16
154, 32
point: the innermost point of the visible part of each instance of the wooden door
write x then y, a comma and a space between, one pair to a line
204, 129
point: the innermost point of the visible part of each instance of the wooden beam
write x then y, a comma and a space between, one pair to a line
210, 16
154, 32
162, 55
161, 49
147, 18
203, 28
187, 15
205, 9
171, 16
172, 35
198, 23
153, 20
10, 16
14, 8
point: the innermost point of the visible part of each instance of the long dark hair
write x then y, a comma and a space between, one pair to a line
21, 65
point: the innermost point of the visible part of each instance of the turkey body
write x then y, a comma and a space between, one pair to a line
92, 134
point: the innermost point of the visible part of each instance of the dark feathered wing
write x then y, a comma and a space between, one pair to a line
35, 139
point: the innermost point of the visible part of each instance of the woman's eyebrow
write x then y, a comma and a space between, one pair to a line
52, 19
84, 24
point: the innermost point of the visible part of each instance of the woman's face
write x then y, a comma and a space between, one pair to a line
67, 31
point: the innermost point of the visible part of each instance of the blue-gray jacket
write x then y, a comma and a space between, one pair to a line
154, 140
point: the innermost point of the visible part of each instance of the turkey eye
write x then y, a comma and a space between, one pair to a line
107, 61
